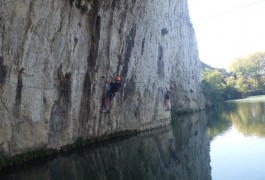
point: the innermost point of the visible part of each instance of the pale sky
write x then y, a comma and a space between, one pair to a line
227, 29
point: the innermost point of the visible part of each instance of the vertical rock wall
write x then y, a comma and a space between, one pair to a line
55, 55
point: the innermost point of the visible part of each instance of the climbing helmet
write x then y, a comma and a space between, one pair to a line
117, 78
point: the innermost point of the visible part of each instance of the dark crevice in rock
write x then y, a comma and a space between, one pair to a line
119, 63
97, 32
71, 2
139, 107
114, 3
18, 93
129, 89
93, 53
61, 108
65, 87
160, 63
164, 31
85, 104
75, 40
143, 43
3, 71
128, 53
85, 109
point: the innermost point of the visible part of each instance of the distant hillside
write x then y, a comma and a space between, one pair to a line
206, 66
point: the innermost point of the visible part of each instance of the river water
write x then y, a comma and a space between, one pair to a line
223, 144
237, 134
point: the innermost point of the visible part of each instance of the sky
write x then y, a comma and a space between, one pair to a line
227, 29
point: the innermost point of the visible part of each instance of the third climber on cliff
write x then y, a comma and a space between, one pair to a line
113, 87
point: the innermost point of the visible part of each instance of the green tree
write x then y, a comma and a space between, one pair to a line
213, 86
250, 72
218, 86
231, 81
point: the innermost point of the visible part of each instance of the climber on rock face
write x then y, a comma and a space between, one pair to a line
167, 98
113, 87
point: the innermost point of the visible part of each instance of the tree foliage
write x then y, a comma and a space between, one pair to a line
250, 73
215, 87
246, 76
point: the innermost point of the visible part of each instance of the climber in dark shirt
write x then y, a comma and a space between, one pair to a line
109, 95
167, 98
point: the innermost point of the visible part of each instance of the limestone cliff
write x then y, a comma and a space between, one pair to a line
55, 55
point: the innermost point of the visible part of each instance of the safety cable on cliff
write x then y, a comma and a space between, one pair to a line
53, 88
47, 88
40, 5
245, 6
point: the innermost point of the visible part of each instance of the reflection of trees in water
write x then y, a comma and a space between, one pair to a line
177, 152
218, 120
249, 117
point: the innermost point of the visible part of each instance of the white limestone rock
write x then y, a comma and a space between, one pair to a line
54, 56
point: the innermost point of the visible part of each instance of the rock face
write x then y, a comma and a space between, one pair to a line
55, 55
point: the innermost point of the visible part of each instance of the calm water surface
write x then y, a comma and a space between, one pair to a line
225, 144
237, 135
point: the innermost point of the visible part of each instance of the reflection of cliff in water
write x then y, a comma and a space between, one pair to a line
192, 146
181, 152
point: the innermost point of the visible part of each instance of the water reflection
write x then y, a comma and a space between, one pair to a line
238, 144
249, 118
218, 121
180, 151
192, 146
246, 115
